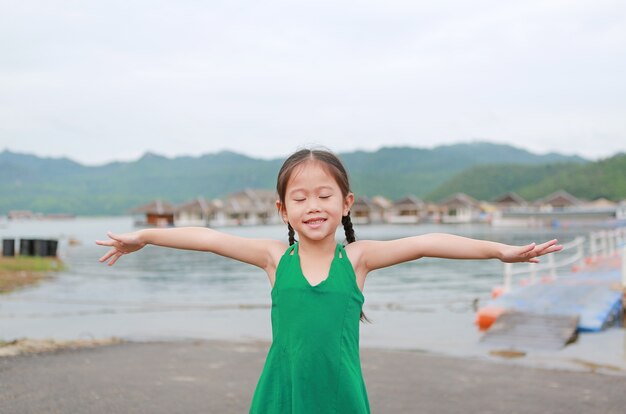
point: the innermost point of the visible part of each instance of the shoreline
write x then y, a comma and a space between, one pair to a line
220, 376
20, 272
13, 281
502, 356
26, 346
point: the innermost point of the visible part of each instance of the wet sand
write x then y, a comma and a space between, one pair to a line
220, 376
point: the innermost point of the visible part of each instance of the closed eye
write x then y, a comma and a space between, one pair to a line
325, 196
299, 199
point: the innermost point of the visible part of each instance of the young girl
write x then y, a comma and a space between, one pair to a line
313, 364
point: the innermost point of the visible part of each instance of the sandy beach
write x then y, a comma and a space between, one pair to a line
220, 376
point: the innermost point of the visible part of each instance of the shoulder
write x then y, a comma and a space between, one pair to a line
276, 250
277, 247
358, 247
356, 253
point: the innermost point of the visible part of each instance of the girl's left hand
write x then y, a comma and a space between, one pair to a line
528, 253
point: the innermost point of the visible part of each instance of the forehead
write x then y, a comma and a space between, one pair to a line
311, 175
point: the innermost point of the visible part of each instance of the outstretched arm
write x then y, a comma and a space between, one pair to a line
378, 254
258, 252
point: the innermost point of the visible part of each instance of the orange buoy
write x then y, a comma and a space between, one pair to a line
485, 317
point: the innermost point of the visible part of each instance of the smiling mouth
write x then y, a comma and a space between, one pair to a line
315, 221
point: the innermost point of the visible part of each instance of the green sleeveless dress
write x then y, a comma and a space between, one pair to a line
313, 364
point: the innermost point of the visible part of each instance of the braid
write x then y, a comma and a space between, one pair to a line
350, 238
292, 234
347, 227
364, 318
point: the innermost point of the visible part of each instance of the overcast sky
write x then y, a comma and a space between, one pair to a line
103, 80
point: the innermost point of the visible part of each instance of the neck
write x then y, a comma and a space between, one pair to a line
317, 247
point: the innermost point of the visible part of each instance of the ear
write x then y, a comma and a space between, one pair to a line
347, 205
281, 211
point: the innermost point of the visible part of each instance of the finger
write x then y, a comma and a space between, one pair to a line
114, 237
527, 249
107, 255
105, 242
547, 244
553, 249
550, 249
116, 256
533, 260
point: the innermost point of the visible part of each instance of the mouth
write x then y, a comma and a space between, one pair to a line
315, 221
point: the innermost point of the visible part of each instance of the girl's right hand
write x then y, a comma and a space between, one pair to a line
121, 244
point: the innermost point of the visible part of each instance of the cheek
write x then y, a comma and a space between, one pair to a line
291, 209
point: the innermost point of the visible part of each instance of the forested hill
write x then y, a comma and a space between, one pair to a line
605, 178
394, 172
60, 185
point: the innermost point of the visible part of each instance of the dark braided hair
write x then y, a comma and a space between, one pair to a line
347, 228
292, 234
335, 168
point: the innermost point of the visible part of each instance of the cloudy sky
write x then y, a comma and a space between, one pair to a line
103, 80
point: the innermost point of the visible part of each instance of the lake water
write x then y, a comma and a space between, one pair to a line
165, 294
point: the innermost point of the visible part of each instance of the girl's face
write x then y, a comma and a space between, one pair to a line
314, 204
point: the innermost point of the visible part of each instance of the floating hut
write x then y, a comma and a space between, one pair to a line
251, 207
157, 213
367, 210
460, 208
407, 210
199, 212
558, 200
559, 209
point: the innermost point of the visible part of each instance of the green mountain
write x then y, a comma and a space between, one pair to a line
60, 185
604, 178
394, 172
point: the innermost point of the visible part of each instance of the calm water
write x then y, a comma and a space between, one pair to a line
160, 293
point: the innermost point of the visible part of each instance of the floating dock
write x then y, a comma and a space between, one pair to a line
550, 311
532, 330
597, 300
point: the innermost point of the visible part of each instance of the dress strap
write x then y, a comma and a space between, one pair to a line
291, 249
339, 252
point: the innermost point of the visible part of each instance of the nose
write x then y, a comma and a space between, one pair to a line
313, 205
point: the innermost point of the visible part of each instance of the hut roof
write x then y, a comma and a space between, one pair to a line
560, 196
410, 200
257, 200
155, 207
511, 198
198, 204
382, 202
460, 198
